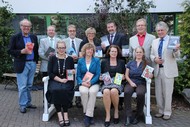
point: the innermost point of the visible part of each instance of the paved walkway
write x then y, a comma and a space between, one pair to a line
11, 117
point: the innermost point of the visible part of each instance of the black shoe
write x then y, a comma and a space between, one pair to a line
31, 106
127, 121
107, 123
116, 120
67, 123
87, 121
61, 123
78, 105
135, 121
22, 110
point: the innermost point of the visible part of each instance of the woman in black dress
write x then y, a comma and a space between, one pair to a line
60, 89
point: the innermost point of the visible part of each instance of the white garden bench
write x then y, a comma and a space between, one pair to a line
49, 111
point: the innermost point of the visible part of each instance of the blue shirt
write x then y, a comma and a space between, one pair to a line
26, 40
136, 72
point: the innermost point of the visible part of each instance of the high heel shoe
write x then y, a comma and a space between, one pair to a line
67, 123
61, 123
107, 123
116, 120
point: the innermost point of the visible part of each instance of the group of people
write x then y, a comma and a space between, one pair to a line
57, 58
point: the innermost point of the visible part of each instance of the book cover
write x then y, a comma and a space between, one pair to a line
70, 75
104, 40
173, 40
148, 70
30, 46
98, 52
125, 50
87, 77
50, 49
118, 78
106, 78
71, 52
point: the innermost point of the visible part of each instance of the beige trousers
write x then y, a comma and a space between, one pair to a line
88, 97
164, 91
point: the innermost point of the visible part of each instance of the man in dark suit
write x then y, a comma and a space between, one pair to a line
24, 48
115, 38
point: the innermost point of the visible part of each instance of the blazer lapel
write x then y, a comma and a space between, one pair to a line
92, 63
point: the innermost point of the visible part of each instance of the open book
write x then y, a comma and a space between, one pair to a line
87, 77
118, 78
106, 78
148, 70
173, 40
70, 75
50, 49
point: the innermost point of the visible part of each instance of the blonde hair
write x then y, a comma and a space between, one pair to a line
59, 42
88, 46
89, 30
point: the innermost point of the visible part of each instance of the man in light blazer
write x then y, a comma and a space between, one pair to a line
72, 39
45, 43
142, 38
165, 69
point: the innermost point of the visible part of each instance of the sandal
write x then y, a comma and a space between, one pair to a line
61, 123
67, 123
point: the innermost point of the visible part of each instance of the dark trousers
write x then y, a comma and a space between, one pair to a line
58, 108
44, 74
128, 92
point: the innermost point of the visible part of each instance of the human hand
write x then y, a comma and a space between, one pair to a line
100, 78
75, 57
64, 80
103, 46
133, 84
85, 84
177, 47
158, 60
25, 51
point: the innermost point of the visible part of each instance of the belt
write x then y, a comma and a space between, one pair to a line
29, 60
161, 66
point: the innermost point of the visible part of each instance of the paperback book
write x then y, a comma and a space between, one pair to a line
30, 46
106, 78
87, 77
49, 50
125, 50
71, 52
118, 78
173, 41
98, 52
70, 75
148, 70
104, 40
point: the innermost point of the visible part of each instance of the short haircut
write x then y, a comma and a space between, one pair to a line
162, 25
71, 26
118, 51
88, 46
25, 20
141, 19
59, 42
51, 26
90, 29
111, 21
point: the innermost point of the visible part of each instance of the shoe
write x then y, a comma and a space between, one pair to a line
127, 121
31, 106
67, 123
116, 120
61, 123
135, 121
159, 115
87, 121
22, 110
166, 117
107, 123
79, 105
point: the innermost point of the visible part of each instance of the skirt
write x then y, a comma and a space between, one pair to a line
112, 85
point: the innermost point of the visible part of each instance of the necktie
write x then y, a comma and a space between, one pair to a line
52, 44
73, 45
160, 48
111, 39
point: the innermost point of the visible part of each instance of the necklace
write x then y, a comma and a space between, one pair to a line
59, 66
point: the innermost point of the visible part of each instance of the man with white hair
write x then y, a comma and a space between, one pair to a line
165, 69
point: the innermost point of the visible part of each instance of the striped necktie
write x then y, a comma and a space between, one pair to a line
160, 48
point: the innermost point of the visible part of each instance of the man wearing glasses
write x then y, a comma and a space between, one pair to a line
24, 48
47, 48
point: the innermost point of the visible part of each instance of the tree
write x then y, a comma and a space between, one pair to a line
183, 81
6, 17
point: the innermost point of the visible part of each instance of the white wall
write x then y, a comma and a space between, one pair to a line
79, 6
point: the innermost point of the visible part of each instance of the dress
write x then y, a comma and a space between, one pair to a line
60, 93
119, 68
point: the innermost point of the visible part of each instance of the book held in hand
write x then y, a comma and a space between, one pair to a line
71, 52
104, 40
125, 50
98, 52
70, 75
30, 46
87, 77
106, 78
118, 78
173, 41
148, 70
49, 50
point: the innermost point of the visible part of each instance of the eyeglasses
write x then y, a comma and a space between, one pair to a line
91, 33
140, 25
25, 26
72, 30
61, 48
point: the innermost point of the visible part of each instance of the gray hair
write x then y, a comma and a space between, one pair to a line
142, 19
25, 20
71, 26
162, 25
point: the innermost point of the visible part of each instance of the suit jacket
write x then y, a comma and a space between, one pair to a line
134, 43
16, 45
77, 44
44, 45
169, 57
94, 69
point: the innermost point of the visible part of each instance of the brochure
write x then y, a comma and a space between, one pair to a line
87, 77
70, 75
104, 40
118, 78
71, 52
125, 50
173, 40
50, 49
148, 70
106, 78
